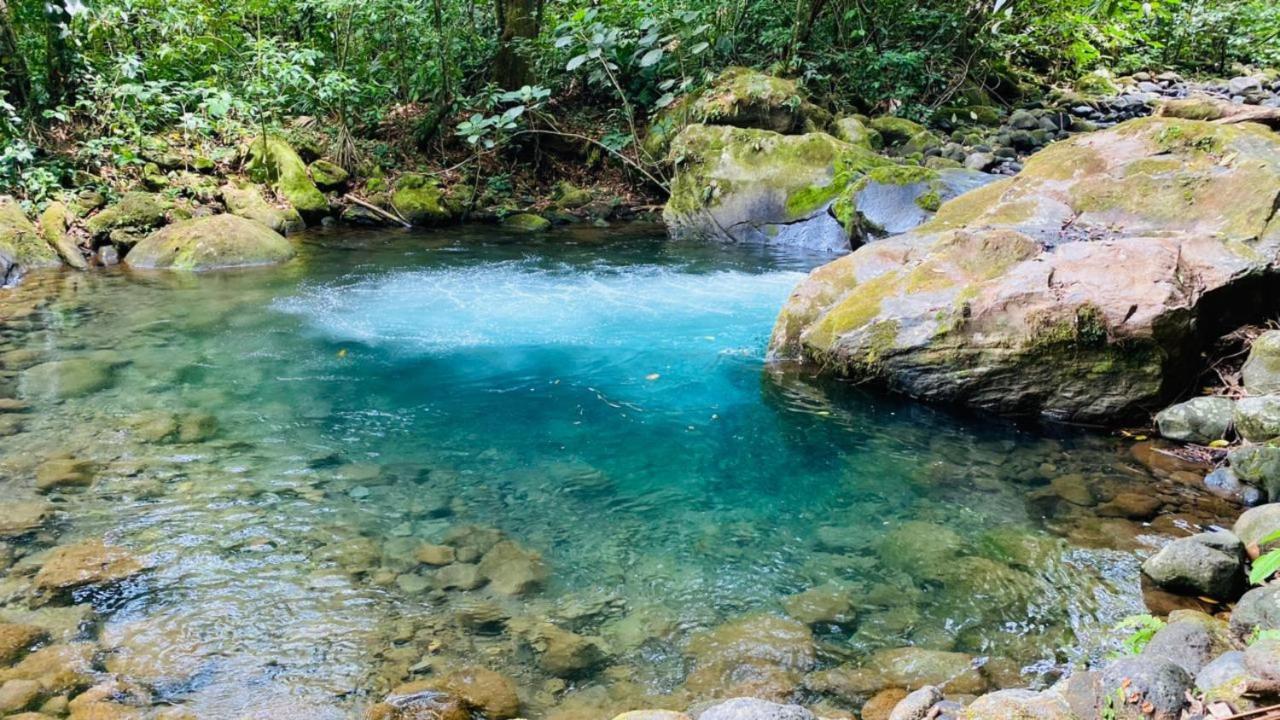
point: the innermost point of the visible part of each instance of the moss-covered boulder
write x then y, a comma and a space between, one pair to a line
207, 243
896, 130
53, 225
855, 132
273, 160
328, 175
137, 211
21, 246
246, 201
1081, 289
739, 97
896, 198
526, 222
419, 200
734, 184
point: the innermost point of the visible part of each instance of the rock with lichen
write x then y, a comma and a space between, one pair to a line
21, 246
246, 201
1076, 290
272, 159
419, 200
134, 211
207, 243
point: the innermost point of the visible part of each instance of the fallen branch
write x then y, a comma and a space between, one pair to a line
377, 210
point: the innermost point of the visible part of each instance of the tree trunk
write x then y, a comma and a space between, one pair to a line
517, 22
15, 82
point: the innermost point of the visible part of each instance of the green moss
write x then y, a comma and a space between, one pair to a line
1195, 108
930, 201
327, 174
858, 308
526, 222
896, 130
418, 198
136, 210
53, 226
1097, 83
210, 242
271, 159
20, 244
901, 174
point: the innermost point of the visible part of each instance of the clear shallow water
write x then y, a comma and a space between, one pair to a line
600, 398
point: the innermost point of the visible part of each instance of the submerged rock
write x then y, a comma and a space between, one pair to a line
208, 243
734, 185
489, 692
1073, 290
560, 652
22, 516
73, 377
1199, 420
91, 562
513, 570
16, 639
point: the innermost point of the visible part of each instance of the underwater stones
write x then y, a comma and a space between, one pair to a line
736, 185
558, 651
21, 246
919, 548
1261, 372
483, 617
917, 704
418, 701
271, 159
471, 541
825, 604
136, 211
23, 516
19, 695
914, 667
246, 201
64, 472
526, 223
91, 562
1152, 687
513, 570
1199, 420
458, 576
207, 243
419, 200
73, 377
1056, 292
762, 655
746, 708
428, 554
58, 668
1208, 564
492, 693
16, 639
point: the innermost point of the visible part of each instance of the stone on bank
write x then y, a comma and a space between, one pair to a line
207, 243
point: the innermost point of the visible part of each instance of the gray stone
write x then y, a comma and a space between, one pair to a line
1020, 704
1258, 610
1198, 420
72, 377
1152, 680
916, 706
1262, 660
1261, 372
752, 709
1226, 669
1225, 484
1257, 419
897, 199
1257, 465
1189, 645
1243, 84
1255, 524
1204, 564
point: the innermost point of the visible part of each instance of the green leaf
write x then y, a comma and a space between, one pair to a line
651, 58
665, 100
1264, 567
575, 63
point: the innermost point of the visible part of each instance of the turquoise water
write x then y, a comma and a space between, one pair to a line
602, 399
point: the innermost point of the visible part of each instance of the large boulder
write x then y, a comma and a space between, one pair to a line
244, 200
1081, 289
1261, 372
739, 97
1257, 419
419, 200
1210, 564
134, 212
1149, 687
272, 159
21, 246
896, 198
734, 184
207, 243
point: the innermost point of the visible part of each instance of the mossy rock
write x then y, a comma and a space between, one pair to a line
856, 132
526, 222
21, 246
246, 201
1098, 83
207, 243
328, 175
734, 184
1073, 290
896, 130
54, 221
134, 211
959, 115
739, 97
570, 197
273, 160
419, 200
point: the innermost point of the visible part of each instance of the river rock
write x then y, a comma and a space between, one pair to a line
419, 200
72, 377
761, 655
1257, 610
734, 184
21, 247
1257, 419
91, 562
825, 604
1019, 705
896, 198
1258, 465
513, 570
58, 668
492, 693
135, 211
207, 243
1262, 661
64, 472
435, 554
1189, 643
920, 549
855, 132
1255, 524
272, 159
1226, 484
1221, 676
418, 701
54, 220
244, 200
16, 639
1261, 372
327, 175
745, 708
526, 223
652, 715
1209, 564
560, 652
19, 695
458, 576
917, 704
882, 704
1062, 291
1141, 680
1198, 420
22, 516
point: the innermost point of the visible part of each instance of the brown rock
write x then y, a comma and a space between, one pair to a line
458, 576
23, 516
91, 562
435, 554
64, 472
512, 570
16, 639
58, 668
492, 693
882, 703
19, 695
